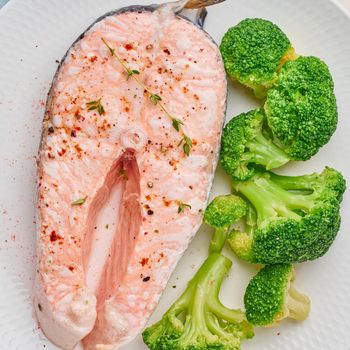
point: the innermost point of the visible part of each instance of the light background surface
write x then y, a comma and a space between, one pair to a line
345, 3
36, 33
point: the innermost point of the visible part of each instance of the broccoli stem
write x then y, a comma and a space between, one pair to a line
203, 293
230, 315
266, 199
204, 286
258, 198
214, 326
218, 273
204, 290
251, 220
209, 278
209, 275
298, 305
219, 239
271, 199
289, 199
264, 152
198, 319
301, 183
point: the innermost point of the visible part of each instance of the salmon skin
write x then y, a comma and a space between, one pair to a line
119, 195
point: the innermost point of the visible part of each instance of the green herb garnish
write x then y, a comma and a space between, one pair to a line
131, 72
176, 123
182, 207
154, 98
186, 143
79, 201
96, 105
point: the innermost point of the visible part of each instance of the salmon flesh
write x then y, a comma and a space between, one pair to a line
120, 195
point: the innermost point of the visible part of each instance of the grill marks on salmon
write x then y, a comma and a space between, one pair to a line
103, 264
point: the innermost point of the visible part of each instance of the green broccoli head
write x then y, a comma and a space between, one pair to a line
253, 51
291, 219
301, 108
246, 142
221, 213
270, 297
198, 320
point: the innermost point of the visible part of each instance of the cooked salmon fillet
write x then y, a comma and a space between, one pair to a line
119, 198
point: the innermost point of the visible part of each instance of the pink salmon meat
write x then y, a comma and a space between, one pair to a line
119, 197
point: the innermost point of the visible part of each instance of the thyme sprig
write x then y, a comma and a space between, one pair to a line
131, 72
176, 123
186, 143
155, 99
96, 105
182, 206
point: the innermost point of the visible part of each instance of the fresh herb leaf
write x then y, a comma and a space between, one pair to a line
131, 72
101, 110
176, 123
182, 207
96, 105
79, 201
155, 98
186, 143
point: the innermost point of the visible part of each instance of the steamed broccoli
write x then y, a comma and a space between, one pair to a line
271, 297
221, 213
198, 320
253, 51
301, 108
290, 219
246, 142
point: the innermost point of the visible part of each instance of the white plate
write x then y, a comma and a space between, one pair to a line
36, 33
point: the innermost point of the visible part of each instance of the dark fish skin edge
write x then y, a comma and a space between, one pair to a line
200, 19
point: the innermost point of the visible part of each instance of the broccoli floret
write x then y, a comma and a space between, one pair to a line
290, 219
198, 320
271, 297
253, 51
301, 108
221, 213
246, 142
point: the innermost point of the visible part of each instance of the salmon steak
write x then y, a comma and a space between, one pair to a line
130, 143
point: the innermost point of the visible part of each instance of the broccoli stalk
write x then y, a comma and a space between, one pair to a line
290, 219
264, 152
271, 200
198, 320
246, 143
221, 213
271, 297
309, 182
219, 239
298, 305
